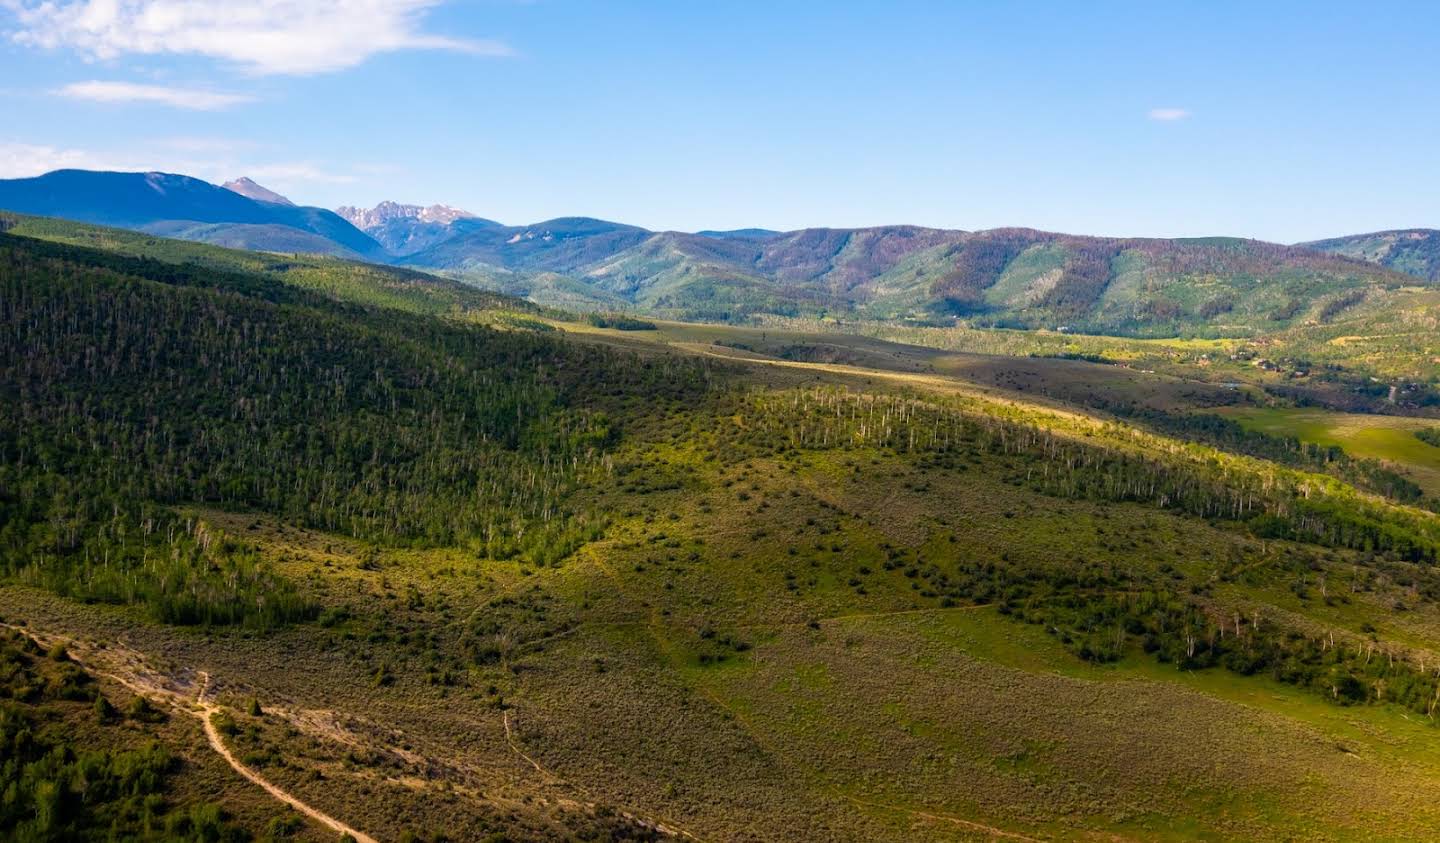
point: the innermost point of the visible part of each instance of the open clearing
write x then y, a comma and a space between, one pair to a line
1389, 438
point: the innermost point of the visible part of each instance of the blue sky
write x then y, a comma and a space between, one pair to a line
1283, 121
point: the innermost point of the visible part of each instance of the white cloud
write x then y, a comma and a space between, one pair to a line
1168, 115
22, 160
191, 98
261, 36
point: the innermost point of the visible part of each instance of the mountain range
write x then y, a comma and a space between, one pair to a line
1018, 278
189, 209
406, 229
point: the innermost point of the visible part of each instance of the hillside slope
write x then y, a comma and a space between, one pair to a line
1214, 286
560, 245
1413, 251
1007, 278
342, 280
450, 577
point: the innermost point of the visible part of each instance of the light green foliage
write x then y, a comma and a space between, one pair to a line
60, 785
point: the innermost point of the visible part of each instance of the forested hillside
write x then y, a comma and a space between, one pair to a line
433, 561
343, 280
132, 383
1414, 251
1014, 278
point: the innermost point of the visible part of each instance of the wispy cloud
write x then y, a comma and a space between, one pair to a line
1168, 115
207, 161
261, 36
190, 98
21, 160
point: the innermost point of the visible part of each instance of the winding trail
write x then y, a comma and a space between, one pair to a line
207, 714
969, 824
510, 739
125, 669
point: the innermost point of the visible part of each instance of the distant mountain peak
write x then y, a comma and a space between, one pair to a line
246, 187
407, 229
387, 212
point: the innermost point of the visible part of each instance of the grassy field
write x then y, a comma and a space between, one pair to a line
1388, 438
1044, 379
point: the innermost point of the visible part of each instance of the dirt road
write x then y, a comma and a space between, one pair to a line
128, 670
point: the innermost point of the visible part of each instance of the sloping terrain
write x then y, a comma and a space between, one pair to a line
445, 579
360, 283
88, 755
559, 245
265, 237
1004, 278
1413, 251
1214, 286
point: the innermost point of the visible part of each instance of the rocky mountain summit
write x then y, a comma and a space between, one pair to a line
249, 189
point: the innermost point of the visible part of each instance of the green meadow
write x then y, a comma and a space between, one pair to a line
1388, 438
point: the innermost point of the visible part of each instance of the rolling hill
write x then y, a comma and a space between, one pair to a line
1414, 251
335, 278
1212, 286
1015, 278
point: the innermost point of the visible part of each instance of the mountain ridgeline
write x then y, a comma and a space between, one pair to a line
406, 229
1014, 278
1008, 278
189, 209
